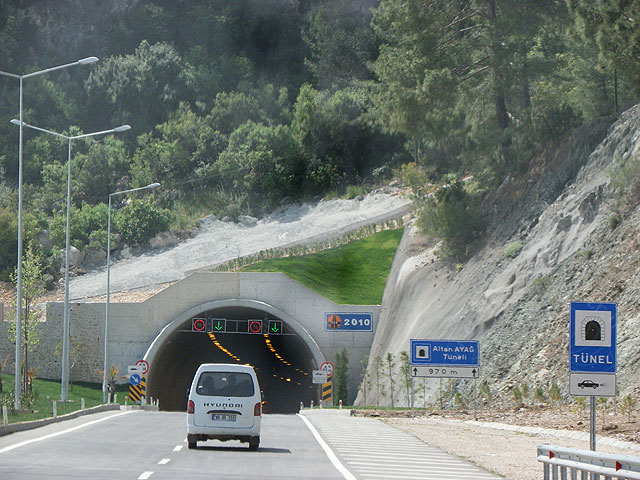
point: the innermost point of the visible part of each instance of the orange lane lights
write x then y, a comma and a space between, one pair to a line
217, 344
270, 346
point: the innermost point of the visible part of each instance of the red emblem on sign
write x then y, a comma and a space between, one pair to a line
334, 322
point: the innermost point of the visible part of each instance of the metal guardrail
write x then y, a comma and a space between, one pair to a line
561, 461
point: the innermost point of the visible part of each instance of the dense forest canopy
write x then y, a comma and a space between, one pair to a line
236, 106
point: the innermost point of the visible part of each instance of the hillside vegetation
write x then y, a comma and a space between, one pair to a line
237, 106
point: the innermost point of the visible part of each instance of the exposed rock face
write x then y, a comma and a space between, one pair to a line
519, 308
247, 220
76, 257
163, 240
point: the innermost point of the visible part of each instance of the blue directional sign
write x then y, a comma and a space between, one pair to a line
135, 379
445, 352
348, 322
592, 344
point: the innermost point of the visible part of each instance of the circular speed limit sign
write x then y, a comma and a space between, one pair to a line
145, 365
327, 367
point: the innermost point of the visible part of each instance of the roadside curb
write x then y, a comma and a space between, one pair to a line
22, 426
557, 433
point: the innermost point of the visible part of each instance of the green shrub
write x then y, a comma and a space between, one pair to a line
554, 392
628, 406
8, 240
517, 395
140, 221
540, 284
83, 223
353, 191
614, 221
450, 215
412, 175
580, 405
485, 392
539, 395
513, 249
625, 180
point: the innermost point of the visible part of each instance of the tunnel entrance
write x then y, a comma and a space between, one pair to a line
283, 362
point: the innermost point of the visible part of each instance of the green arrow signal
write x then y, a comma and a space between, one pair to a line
274, 328
218, 326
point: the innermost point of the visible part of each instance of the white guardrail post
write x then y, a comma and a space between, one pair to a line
560, 461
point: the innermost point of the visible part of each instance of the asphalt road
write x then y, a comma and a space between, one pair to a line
152, 445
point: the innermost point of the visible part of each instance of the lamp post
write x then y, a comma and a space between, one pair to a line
17, 388
65, 333
105, 392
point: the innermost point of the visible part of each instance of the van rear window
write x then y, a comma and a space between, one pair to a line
225, 384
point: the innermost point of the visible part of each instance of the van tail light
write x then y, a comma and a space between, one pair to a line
257, 410
191, 407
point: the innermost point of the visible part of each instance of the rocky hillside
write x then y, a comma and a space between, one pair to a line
576, 245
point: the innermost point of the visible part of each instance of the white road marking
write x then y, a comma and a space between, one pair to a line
145, 475
164, 461
372, 450
332, 456
177, 448
69, 430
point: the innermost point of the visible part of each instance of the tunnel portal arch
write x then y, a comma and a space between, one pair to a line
175, 353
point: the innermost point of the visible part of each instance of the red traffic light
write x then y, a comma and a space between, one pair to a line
255, 326
198, 325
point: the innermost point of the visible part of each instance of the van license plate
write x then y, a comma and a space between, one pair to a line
223, 417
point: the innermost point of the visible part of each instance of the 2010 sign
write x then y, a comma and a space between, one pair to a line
348, 322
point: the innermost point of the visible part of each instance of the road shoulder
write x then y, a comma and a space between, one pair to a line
504, 449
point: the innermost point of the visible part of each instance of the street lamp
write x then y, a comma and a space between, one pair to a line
106, 313
17, 388
65, 333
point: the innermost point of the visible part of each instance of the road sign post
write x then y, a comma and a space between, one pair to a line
592, 354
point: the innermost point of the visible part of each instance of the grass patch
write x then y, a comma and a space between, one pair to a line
46, 391
513, 249
353, 274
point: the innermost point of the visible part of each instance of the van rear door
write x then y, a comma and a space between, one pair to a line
225, 399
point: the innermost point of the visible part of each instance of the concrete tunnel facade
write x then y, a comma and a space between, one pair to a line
159, 330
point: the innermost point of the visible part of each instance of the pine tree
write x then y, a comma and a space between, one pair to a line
340, 376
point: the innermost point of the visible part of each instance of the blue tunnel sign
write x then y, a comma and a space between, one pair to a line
445, 352
592, 346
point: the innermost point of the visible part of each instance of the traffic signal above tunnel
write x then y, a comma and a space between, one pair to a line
225, 325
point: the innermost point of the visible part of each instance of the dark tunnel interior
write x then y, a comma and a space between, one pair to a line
283, 362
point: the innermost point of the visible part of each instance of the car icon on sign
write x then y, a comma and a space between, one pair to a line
588, 383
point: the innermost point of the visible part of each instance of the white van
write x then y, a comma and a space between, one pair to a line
224, 404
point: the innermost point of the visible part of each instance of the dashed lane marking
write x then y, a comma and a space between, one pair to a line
164, 461
177, 448
145, 475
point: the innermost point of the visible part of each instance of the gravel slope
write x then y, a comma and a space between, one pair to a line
218, 241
